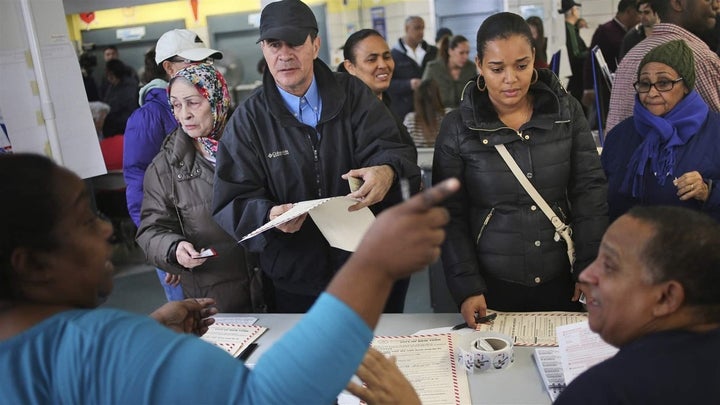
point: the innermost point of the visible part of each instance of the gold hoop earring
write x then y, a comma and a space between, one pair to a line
484, 86
536, 75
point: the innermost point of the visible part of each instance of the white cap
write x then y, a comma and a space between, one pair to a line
185, 44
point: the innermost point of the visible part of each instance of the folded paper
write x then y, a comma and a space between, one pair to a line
342, 229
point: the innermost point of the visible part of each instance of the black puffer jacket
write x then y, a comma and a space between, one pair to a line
496, 229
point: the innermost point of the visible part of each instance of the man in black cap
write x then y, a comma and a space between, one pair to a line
299, 137
576, 48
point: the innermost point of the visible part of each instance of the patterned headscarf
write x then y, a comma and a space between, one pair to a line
210, 84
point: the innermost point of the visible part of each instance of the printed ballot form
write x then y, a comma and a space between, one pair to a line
580, 349
428, 362
342, 229
549, 364
531, 328
233, 334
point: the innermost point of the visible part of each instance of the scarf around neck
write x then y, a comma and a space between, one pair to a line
209, 146
661, 135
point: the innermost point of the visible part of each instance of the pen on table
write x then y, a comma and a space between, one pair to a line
405, 188
482, 319
245, 354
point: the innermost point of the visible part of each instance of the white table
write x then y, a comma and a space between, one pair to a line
518, 384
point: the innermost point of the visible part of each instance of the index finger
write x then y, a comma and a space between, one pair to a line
358, 206
205, 301
434, 195
199, 303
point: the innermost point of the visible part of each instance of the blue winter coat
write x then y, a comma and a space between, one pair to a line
146, 129
701, 153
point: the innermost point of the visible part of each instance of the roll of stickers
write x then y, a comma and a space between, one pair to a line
484, 351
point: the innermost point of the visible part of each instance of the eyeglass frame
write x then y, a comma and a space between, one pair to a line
672, 86
177, 59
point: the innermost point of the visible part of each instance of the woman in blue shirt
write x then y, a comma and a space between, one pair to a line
55, 347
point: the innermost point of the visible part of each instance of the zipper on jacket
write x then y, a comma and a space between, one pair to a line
493, 130
484, 225
562, 213
316, 160
519, 133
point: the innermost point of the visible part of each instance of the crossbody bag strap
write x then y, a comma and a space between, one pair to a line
561, 228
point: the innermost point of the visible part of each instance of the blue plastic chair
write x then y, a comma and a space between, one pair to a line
555, 63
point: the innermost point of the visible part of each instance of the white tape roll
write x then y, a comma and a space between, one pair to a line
484, 351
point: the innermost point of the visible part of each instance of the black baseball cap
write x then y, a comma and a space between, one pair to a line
567, 5
287, 20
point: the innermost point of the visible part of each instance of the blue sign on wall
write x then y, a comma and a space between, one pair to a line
377, 14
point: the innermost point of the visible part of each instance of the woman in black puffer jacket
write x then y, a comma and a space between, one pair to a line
501, 251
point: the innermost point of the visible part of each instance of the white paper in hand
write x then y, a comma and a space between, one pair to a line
342, 229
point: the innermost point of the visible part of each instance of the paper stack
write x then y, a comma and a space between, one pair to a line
579, 349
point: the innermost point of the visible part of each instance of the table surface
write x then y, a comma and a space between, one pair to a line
518, 384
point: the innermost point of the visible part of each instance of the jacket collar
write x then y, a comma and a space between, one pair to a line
401, 45
182, 149
328, 87
147, 93
477, 110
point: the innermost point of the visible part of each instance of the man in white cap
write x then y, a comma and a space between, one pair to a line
148, 125
178, 48
298, 137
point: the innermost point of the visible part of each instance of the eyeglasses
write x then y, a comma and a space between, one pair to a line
209, 61
660, 85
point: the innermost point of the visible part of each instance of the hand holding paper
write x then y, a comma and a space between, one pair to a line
187, 256
206, 253
290, 226
377, 180
341, 228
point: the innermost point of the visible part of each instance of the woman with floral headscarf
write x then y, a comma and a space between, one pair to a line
176, 226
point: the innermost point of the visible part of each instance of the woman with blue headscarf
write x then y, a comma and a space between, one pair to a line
668, 152
176, 227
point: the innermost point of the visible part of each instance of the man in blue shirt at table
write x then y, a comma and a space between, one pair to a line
299, 137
